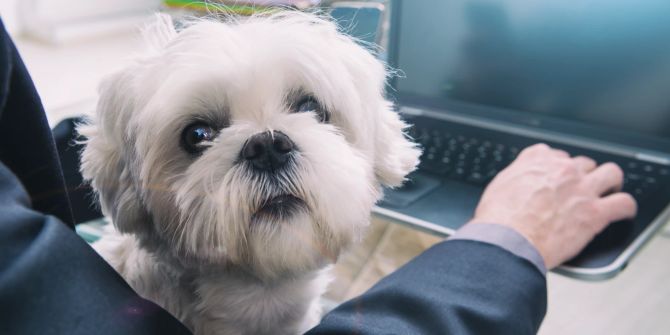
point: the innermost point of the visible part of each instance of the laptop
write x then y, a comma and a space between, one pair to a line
482, 80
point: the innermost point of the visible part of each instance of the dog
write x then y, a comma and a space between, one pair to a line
236, 161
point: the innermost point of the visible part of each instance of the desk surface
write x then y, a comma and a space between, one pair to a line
635, 302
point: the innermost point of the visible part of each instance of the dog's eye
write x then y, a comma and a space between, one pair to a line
193, 137
309, 104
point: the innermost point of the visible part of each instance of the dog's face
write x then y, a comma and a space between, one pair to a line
263, 143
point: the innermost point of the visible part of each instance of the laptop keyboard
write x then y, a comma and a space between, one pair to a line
456, 156
476, 160
641, 180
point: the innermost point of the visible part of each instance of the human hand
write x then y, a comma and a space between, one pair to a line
557, 202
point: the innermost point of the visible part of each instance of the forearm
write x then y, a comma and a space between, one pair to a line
456, 287
51, 281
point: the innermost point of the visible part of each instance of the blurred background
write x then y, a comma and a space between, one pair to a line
69, 45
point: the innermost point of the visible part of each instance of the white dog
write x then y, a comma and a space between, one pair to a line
236, 160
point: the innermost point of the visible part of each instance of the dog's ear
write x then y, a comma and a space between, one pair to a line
104, 163
395, 155
107, 159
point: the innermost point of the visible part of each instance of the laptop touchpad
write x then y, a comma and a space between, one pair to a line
414, 188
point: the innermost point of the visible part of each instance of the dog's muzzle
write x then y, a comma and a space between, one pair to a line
268, 151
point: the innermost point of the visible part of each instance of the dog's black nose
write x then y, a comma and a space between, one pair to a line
268, 151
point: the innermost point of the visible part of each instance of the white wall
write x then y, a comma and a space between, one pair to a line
9, 15
55, 11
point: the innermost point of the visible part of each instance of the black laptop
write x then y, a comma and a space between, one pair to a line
483, 79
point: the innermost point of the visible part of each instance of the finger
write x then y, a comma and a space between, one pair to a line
543, 151
560, 153
585, 164
605, 178
535, 149
617, 207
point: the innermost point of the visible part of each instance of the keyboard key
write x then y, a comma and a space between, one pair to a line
434, 168
459, 172
476, 178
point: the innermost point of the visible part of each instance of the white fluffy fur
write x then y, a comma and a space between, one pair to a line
184, 236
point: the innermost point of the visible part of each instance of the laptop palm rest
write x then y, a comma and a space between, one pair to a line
447, 203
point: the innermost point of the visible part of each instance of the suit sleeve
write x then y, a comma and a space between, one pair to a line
51, 281
456, 287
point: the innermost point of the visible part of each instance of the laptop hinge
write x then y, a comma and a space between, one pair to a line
652, 159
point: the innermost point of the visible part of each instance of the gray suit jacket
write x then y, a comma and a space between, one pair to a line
456, 287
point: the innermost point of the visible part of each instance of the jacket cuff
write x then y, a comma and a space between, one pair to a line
503, 237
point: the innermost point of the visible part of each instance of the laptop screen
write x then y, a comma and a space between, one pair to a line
602, 64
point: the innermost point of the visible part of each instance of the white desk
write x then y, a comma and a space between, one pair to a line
635, 302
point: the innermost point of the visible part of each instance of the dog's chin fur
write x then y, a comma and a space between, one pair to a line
225, 247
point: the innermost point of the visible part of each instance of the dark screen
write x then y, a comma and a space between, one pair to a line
601, 62
360, 22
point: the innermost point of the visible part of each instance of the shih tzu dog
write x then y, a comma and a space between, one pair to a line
236, 160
